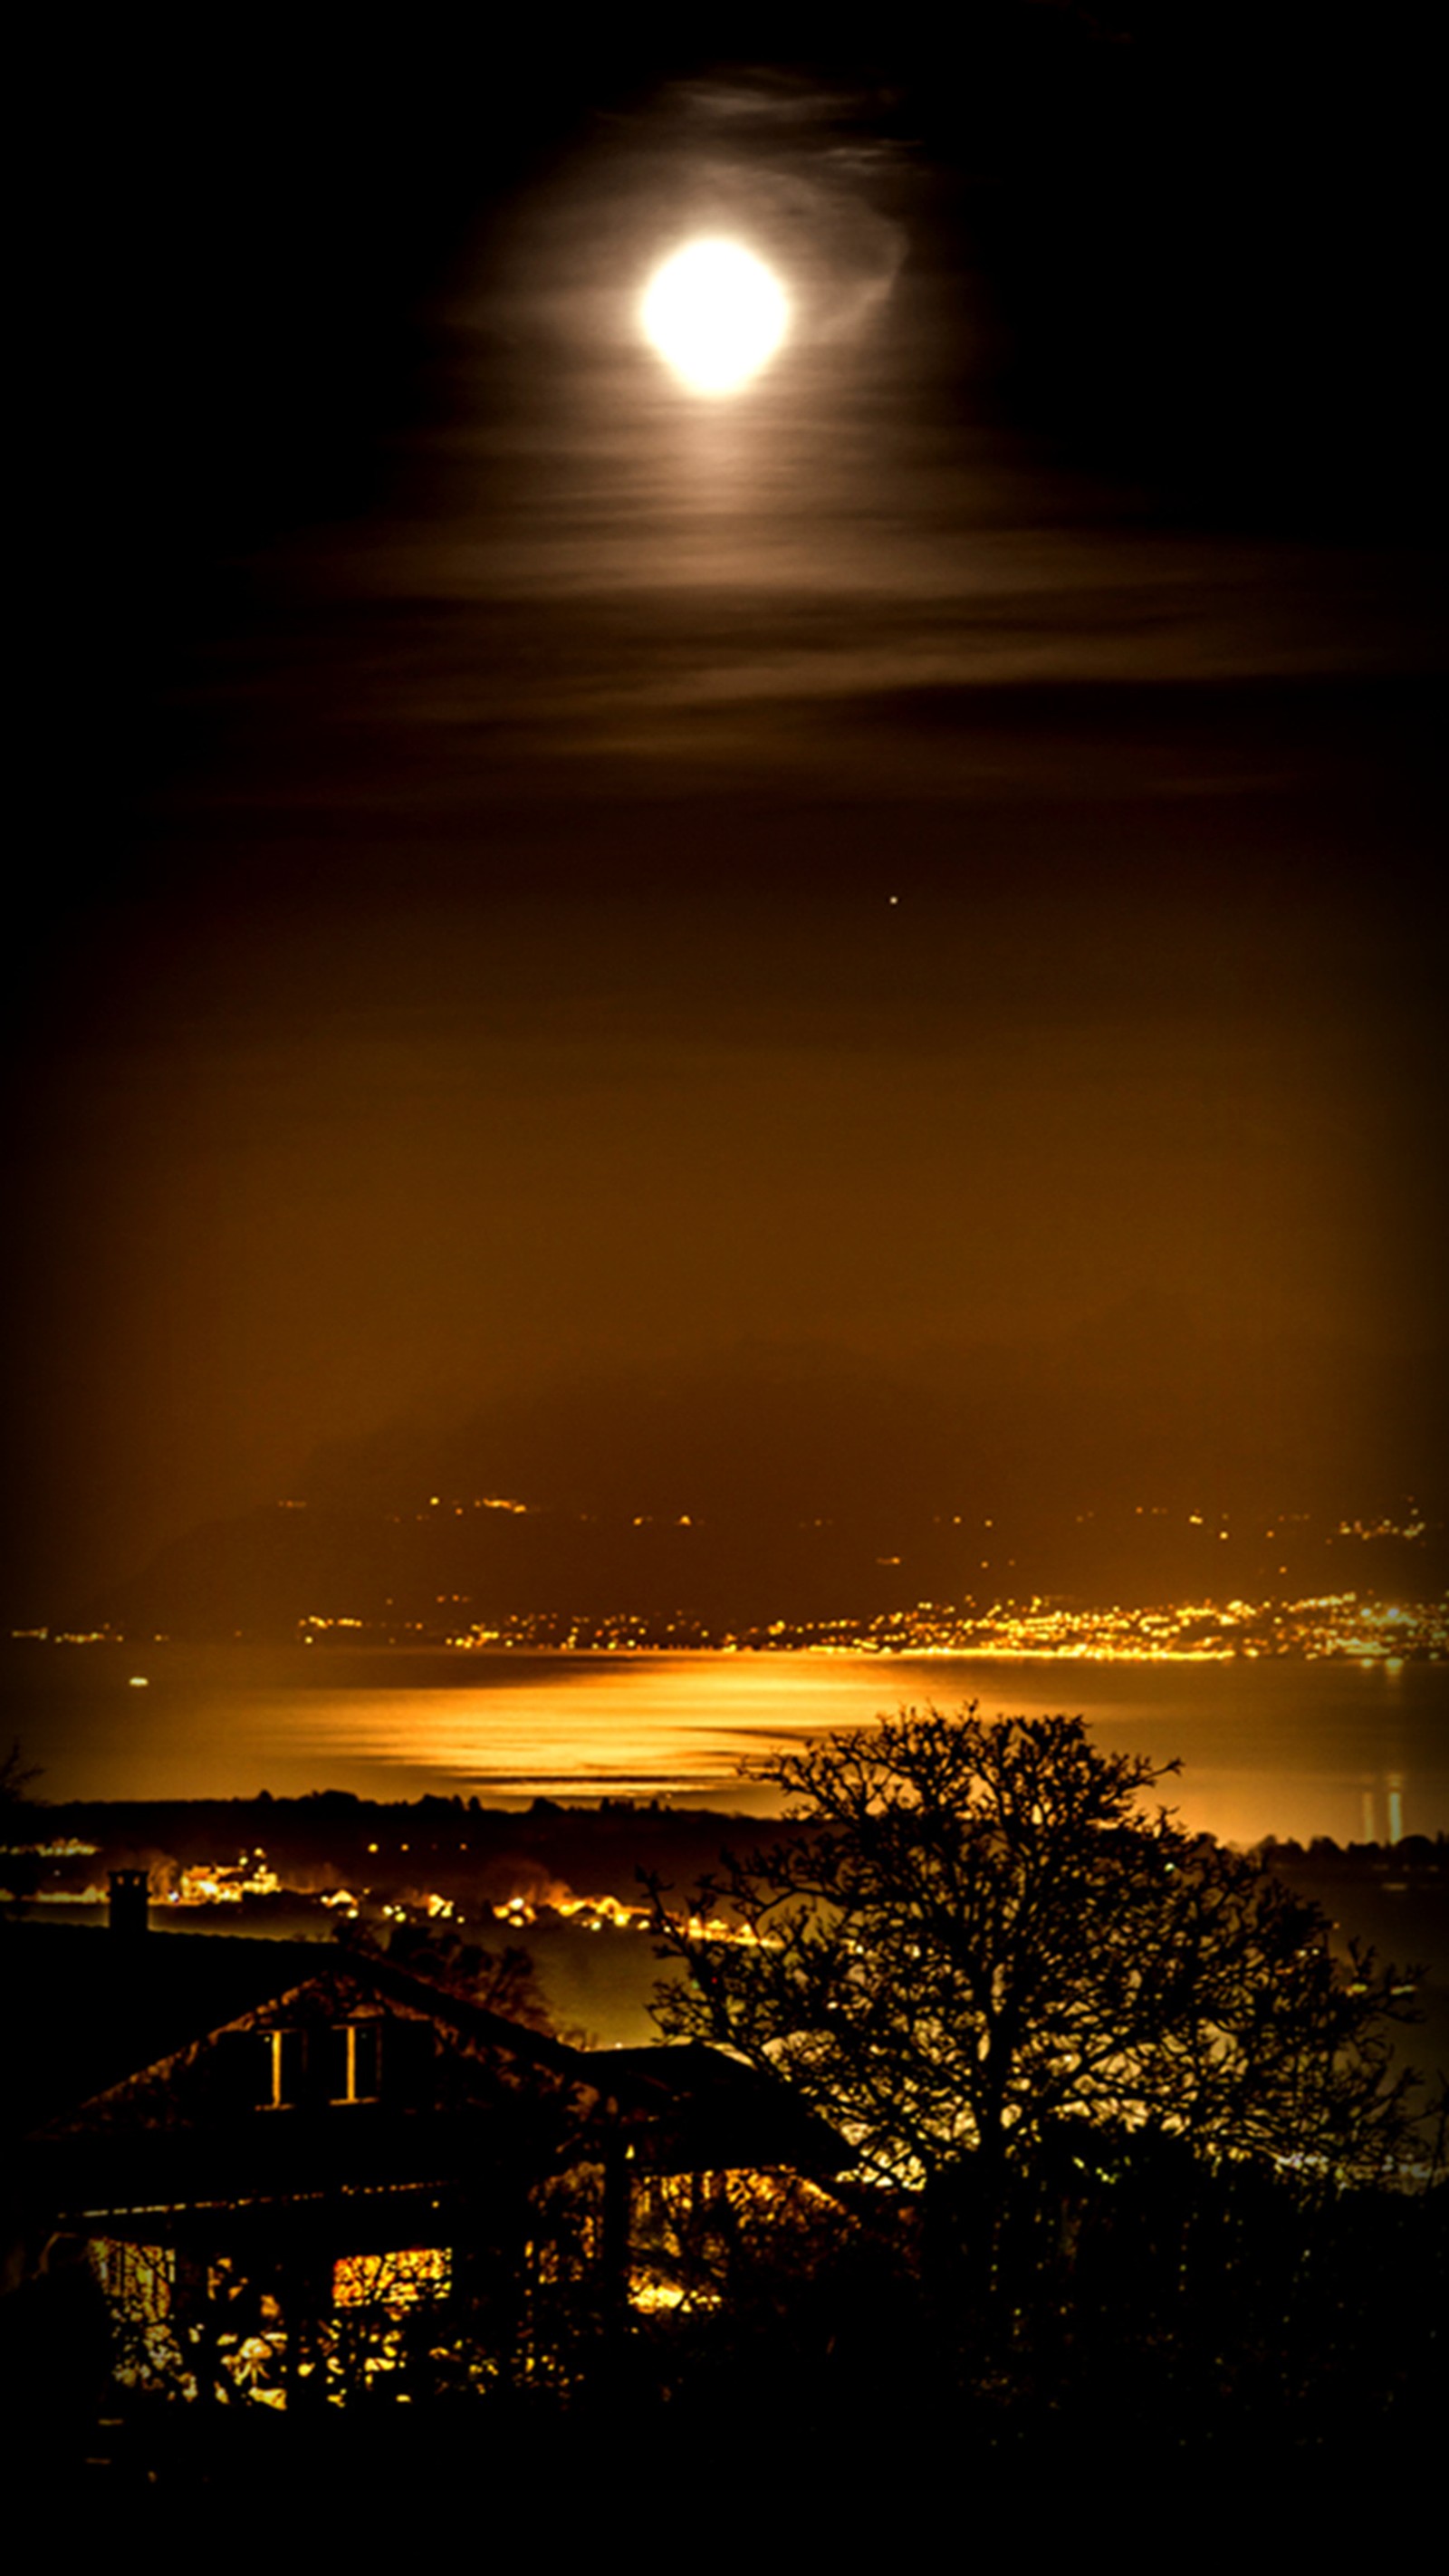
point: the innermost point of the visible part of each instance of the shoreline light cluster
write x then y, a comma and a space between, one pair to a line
1329, 1627
1324, 1627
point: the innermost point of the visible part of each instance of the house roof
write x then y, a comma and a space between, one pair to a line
87, 2014
695, 2109
83, 2009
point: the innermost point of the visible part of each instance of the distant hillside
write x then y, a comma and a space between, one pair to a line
1135, 1463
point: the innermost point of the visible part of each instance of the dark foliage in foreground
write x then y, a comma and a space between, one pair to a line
1224, 2318
1215, 2311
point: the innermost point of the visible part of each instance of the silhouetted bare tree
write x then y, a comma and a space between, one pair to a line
984, 1932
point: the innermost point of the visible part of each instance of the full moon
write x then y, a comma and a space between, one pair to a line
715, 314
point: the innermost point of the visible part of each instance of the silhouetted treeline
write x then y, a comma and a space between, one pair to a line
331, 1835
338, 1826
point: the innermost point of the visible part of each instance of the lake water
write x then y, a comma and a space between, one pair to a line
1268, 1747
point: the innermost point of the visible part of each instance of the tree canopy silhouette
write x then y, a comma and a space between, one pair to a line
979, 1930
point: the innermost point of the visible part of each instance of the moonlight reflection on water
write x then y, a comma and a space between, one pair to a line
1270, 1747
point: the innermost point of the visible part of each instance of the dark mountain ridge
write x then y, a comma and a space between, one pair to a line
1132, 1461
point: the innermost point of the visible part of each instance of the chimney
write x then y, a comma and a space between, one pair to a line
129, 1917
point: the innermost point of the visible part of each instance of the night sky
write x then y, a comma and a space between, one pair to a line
557, 904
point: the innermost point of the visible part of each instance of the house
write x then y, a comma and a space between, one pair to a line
301, 2170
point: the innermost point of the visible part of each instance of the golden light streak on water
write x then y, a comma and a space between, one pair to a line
1270, 1747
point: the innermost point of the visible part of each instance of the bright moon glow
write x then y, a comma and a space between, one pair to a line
715, 314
